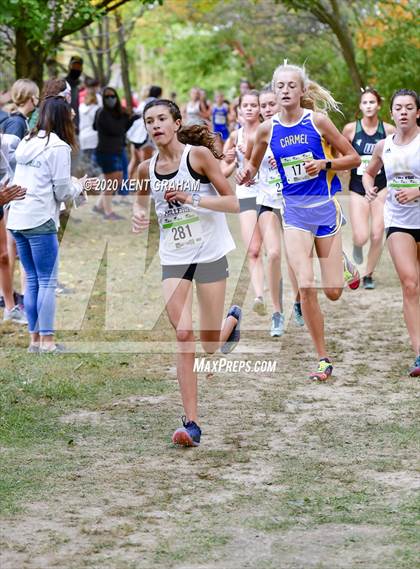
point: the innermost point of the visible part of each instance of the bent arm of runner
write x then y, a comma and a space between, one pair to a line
141, 208
228, 163
375, 164
258, 150
204, 163
349, 158
249, 146
349, 131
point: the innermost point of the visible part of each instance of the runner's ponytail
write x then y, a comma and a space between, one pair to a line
200, 135
195, 134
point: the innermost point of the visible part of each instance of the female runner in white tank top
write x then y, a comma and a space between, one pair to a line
234, 152
399, 154
194, 241
194, 109
270, 205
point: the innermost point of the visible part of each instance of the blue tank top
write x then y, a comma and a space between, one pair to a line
293, 145
219, 116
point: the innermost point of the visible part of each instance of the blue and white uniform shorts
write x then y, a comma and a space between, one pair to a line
324, 220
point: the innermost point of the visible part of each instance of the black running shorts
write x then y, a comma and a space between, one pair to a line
415, 233
246, 204
200, 272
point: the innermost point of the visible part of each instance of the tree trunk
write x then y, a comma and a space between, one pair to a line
103, 80
108, 52
339, 26
124, 62
30, 59
342, 32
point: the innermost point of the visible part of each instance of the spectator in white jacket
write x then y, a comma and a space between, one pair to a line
88, 137
43, 167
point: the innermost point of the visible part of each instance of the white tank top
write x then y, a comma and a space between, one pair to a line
188, 234
193, 113
402, 169
270, 185
243, 192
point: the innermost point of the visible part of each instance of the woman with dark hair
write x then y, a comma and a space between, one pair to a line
111, 123
43, 167
363, 134
190, 195
51, 88
234, 157
399, 155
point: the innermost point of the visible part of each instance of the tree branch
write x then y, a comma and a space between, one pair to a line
70, 27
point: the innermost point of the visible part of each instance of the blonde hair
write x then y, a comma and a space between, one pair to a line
22, 90
314, 97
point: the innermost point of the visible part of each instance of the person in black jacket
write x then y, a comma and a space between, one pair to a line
73, 79
112, 123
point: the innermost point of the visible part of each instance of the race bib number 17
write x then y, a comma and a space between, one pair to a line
294, 167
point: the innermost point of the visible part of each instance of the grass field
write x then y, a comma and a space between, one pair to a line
290, 474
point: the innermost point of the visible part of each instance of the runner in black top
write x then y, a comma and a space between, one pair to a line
363, 134
364, 144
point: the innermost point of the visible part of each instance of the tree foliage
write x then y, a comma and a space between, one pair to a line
214, 43
389, 40
33, 29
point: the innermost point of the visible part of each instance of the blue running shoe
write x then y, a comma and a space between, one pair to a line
415, 370
187, 436
368, 282
277, 325
235, 335
297, 312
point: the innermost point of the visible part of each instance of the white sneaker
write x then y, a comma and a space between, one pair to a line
259, 306
15, 314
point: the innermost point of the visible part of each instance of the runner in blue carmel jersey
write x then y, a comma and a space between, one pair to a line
301, 141
270, 206
219, 116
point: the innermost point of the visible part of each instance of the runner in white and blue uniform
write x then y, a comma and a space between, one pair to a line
219, 116
234, 152
302, 142
190, 195
399, 155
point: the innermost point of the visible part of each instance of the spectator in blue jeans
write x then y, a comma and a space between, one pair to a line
43, 167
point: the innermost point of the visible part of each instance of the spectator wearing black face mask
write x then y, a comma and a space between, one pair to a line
75, 70
111, 122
